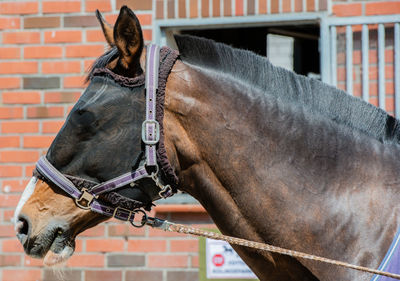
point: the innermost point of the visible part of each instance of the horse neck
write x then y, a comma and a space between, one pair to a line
270, 172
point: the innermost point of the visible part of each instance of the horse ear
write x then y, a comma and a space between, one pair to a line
107, 29
128, 38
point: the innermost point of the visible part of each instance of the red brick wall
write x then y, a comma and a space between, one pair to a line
45, 49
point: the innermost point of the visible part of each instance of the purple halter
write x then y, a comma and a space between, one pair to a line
88, 198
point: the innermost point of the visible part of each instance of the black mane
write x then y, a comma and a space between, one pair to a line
287, 86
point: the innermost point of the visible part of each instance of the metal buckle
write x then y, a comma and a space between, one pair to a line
85, 197
156, 132
166, 191
123, 209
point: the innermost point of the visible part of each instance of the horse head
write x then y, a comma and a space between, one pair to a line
100, 140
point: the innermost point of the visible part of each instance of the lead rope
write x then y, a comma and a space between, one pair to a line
179, 228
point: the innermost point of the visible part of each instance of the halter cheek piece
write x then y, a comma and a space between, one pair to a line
88, 199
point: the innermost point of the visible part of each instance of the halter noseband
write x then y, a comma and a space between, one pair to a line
88, 198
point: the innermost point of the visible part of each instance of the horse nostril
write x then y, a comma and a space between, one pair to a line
22, 228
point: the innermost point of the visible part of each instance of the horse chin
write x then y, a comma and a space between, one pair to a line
55, 257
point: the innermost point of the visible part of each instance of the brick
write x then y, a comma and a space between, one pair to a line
51, 127
61, 6
125, 230
111, 19
101, 5
10, 112
9, 141
10, 23
228, 7
145, 19
10, 172
51, 67
10, 260
94, 36
61, 97
18, 156
382, 8
69, 108
41, 82
323, 5
14, 185
239, 7
135, 4
310, 5
194, 261
9, 200
147, 246
347, 10
84, 51
19, 67
78, 245
29, 169
182, 275
147, 34
125, 260
87, 64
10, 82
389, 104
286, 7
19, 8
41, 22
38, 52
63, 36
37, 141
7, 231
8, 215
80, 21
184, 245
45, 112
9, 53
170, 261
274, 6
86, 260
104, 275
182, 8
160, 9
67, 274
28, 261
12, 245
98, 230
205, 8
148, 275
298, 5
27, 97
21, 274
101, 245
19, 127
21, 37
74, 82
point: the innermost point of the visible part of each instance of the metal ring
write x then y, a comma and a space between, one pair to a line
143, 221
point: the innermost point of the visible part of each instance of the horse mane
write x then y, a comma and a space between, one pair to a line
316, 96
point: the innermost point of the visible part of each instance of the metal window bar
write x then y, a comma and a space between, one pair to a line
381, 66
349, 59
365, 62
333, 41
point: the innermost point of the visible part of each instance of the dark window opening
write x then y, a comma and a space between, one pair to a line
305, 58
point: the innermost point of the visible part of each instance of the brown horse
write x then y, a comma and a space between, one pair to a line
272, 156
